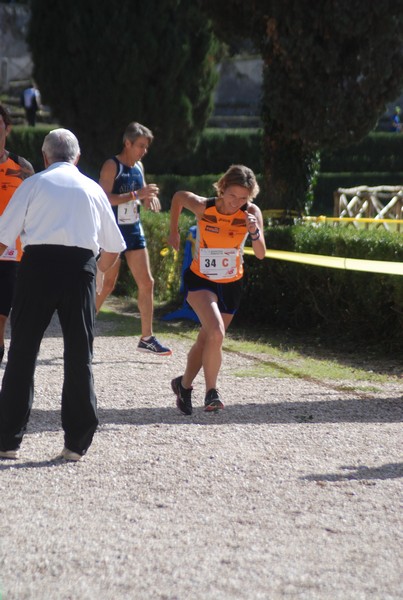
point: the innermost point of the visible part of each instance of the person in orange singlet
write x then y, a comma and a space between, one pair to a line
13, 170
214, 278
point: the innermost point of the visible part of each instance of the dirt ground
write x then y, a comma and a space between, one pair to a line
293, 491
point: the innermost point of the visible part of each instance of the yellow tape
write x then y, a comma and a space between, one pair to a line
322, 219
335, 262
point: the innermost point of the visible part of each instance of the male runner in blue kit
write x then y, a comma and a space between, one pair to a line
122, 179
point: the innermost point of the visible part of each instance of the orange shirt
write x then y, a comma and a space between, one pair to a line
218, 253
10, 179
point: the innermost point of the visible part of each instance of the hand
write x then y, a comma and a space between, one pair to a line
149, 197
174, 240
148, 191
152, 203
251, 222
99, 281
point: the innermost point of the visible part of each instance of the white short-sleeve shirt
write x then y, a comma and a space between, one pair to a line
61, 206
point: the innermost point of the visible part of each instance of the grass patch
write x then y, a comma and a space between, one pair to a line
123, 318
273, 354
279, 361
304, 368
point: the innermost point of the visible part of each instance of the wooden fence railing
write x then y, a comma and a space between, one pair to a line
383, 202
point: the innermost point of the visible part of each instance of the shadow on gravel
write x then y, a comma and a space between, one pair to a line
353, 473
35, 464
388, 471
355, 410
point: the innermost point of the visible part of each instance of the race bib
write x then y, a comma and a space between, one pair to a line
128, 213
218, 263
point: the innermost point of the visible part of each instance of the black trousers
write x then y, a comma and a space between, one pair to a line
31, 116
8, 272
52, 278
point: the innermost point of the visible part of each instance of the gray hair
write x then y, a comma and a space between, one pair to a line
135, 130
61, 145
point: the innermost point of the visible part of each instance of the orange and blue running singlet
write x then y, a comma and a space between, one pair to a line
10, 178
218, 253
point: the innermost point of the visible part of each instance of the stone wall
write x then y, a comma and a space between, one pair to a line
239, 86
15, 58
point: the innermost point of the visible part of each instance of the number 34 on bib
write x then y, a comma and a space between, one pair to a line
218, 263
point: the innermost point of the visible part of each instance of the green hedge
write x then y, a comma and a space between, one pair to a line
366, 307
376, 152
218, 148
347, 304
166, 265
377, 160
169, 184
27, 142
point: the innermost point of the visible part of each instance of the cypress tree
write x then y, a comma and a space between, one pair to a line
101, 65
329, 69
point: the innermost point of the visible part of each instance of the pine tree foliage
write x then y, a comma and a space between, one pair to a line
100, 65
330, 67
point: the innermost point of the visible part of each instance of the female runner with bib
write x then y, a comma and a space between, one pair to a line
214, 278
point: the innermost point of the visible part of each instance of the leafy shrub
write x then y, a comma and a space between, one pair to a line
377, 160
349, 304
217, 150
345, 304
376, 152
166, 266
27, 142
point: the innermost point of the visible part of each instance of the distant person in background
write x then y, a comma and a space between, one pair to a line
31, 102
396, 121
13, 170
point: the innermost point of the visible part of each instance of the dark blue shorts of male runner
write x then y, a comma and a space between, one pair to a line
133, 236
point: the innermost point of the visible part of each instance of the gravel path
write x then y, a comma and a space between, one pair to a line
291, 492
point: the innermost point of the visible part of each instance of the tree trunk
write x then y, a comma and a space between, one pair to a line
288, 169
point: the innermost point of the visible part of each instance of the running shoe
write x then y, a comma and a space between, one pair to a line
9, 454
68, 455
212, 401
183, 396
152, 345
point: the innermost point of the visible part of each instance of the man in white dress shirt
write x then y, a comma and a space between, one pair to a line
64, 219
